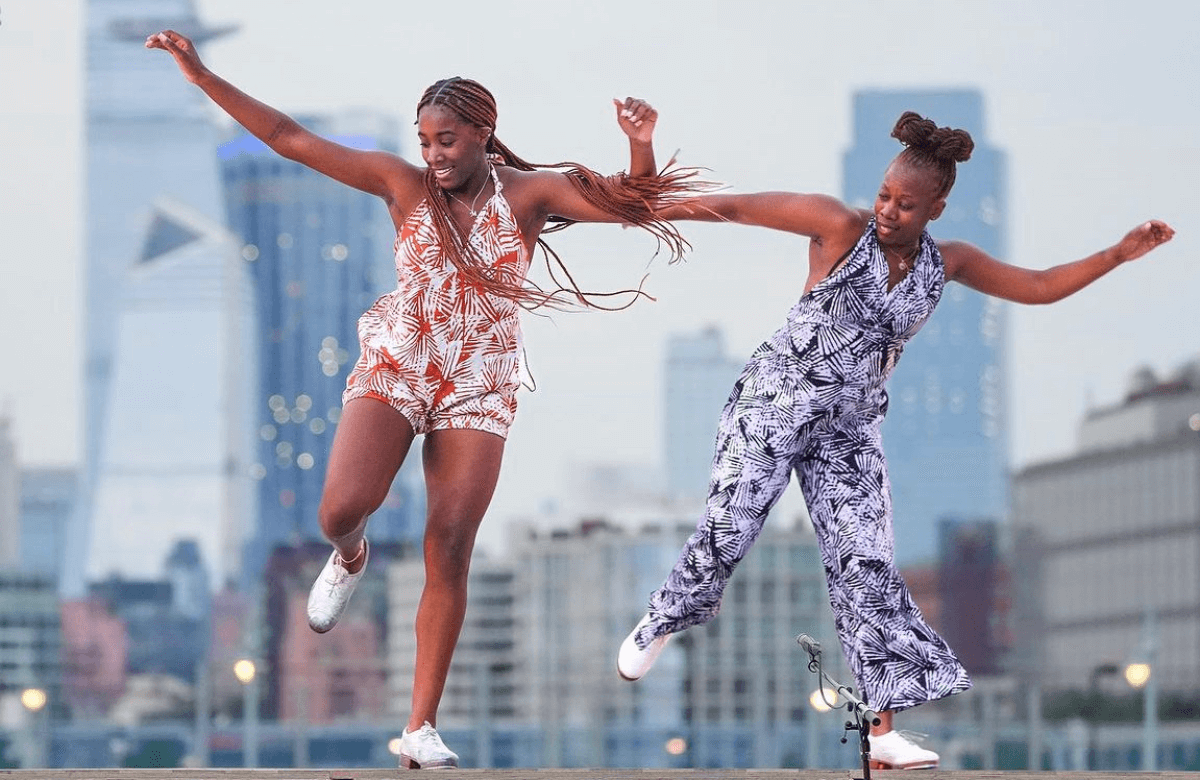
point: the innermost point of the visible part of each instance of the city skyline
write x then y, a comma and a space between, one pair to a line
1074, 99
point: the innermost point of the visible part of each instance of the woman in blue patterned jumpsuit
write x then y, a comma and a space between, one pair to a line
812, 399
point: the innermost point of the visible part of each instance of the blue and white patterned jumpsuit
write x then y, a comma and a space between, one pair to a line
812, 400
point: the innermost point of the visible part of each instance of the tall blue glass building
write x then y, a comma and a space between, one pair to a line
48, 496
946, 434
319, 254
164, 301
699, 376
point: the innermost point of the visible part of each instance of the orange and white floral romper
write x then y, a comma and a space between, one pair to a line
438, 349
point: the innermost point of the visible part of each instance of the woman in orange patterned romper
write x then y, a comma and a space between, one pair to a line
440, 354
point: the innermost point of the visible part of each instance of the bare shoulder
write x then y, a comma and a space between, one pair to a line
527, 181
532, 191
403, 184
956, 253
954, 246
398, 172
530, 181
846, 224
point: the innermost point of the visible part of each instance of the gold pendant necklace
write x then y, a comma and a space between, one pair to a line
903, 263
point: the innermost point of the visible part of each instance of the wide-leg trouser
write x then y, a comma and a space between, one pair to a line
766, 432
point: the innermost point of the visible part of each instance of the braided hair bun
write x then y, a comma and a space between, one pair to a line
931, 147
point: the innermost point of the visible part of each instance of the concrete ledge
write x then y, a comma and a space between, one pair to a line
561, 774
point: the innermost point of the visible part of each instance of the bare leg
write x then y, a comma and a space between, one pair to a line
369, 447
885, 723
461, 469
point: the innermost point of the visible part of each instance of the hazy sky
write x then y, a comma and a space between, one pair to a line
1094, 104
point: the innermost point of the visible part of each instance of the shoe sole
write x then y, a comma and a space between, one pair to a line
408, 762
915, 765
623, 677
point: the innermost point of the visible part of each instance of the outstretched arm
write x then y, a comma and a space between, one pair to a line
975, 268
815, 216
378, 173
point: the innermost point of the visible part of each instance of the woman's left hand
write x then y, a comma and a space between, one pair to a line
1143, 238
636, 118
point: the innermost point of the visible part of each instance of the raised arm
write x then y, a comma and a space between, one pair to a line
637, 119
559, 197
378, 173
975, 268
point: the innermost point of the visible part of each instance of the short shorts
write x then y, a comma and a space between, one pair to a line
477, 394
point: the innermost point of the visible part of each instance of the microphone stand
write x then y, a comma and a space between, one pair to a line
864, 716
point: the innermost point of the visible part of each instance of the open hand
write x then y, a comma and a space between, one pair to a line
636, 118
179, 47
1143, 238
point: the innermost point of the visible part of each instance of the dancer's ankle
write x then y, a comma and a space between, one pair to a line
885, 724
355, 564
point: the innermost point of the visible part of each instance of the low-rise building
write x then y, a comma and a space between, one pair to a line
1110, 534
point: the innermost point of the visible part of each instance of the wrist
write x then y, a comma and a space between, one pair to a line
202, 78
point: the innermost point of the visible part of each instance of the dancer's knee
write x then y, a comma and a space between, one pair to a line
341, 517
448, 548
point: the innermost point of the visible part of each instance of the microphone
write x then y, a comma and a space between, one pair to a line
810, 645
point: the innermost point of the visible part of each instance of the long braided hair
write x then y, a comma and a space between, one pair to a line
631, 200
932, 148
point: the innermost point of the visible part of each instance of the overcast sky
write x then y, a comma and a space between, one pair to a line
1093, 103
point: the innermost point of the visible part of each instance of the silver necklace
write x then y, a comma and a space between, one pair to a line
471, 209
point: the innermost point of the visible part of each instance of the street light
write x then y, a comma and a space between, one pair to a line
245, 671
1093, 707
34, 701
202, 706
821, 700
1137, 674
1140, 674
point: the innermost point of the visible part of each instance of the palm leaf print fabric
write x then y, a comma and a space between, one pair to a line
439, 349
811, 400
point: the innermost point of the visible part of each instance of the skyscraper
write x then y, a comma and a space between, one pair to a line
319, 253
30, 637
152, 189
173, 454
698, 378
47, 503
946, 431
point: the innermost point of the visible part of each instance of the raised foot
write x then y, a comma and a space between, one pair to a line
632, 661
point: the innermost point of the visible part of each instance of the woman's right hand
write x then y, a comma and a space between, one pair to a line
179, 47
637, 119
